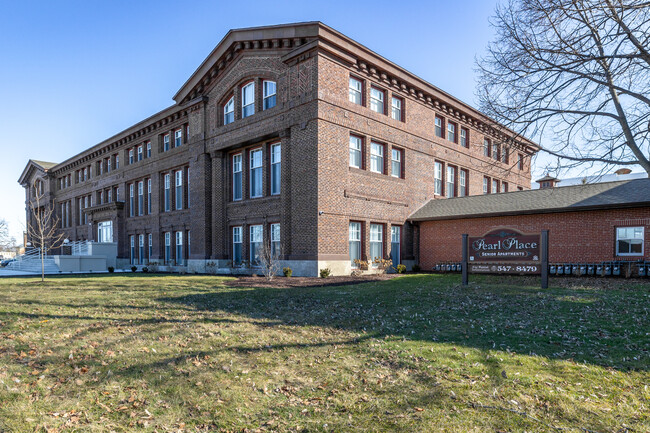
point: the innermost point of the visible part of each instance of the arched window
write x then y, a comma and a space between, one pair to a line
229, 111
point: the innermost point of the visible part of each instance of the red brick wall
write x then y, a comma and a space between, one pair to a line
573, 236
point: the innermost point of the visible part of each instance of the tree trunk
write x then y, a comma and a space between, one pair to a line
42, 266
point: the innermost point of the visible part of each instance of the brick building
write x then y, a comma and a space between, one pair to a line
589, 223
295, 136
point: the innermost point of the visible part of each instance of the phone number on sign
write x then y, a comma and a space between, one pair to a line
520, 268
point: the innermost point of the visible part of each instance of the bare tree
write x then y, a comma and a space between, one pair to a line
7, 242
269, 261
42, 229
574, 75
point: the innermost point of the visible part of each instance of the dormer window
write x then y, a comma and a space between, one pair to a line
229, 111
248, 100
270, 90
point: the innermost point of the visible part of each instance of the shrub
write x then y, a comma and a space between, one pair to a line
361, 264
145, 269
134, 268
415, 268
111, 269
287, 272
382, 265
325, 272
401, 269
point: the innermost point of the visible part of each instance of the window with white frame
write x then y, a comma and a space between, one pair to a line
166, 142
167, 192
354, 239
140, 198
150, 241
396, 108
141, 248
377, 97
117, 161
376, 243
451, 132
256, 239
463, 137
178, 137
495, 151
629, 241
168, 247
256, 173
131, 199
134, 260
276, 160
248, 100
437, 178
395, 244
105, 231
275, 240
486, 147
495, 186
355, 151
180, 259
438, 126
148, 196
376, 157
269, 96
179, 189
355, 91
140, 153
229, 111
396, 163
236, 245
486, 185
462, 183
131, 160
504, 186
237, 177
451, 181
148, 150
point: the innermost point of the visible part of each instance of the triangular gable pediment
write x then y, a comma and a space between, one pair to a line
34, 168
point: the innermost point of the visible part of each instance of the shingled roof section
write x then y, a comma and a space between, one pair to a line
46, 165
627, 193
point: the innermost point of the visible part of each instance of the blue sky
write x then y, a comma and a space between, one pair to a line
77, 72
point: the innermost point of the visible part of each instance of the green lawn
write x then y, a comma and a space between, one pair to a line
415, 353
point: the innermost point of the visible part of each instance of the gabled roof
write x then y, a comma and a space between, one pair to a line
32, 165
627, 193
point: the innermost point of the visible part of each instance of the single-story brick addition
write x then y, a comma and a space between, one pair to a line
591, 223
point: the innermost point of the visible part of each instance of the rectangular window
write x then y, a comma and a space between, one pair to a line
167, 189
105, 231
108, 165
629, 241
275, 240
504, 186
179, 189
451, 181
248, 100
276, 159
236, 245
486, 185
109, 196
396, 108
396, 163
117, 161
377, 98
505, 155
140, 198
132, 199
355, 91
463, 184
166, 142
495, 186
269, 96
237, 177
256, 239
486, 147
520, 161
451, 132
464, 137
141, 256
168, 247
376, 157
134, 260
140, 153
148, 149
85, 174
437, 178
354, 239
187, 188
495, 151
148, 196
131, 159
150, 252
178, 137
189, 243
229, 111
256, 173
438, 126
355, 151
395, 244
180, 259
376, 242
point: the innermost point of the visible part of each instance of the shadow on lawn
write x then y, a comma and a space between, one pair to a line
601, 327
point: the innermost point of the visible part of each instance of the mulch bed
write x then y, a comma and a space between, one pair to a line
285, 283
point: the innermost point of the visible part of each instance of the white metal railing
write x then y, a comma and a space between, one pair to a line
78, 248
